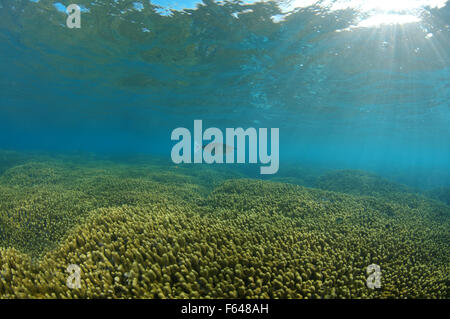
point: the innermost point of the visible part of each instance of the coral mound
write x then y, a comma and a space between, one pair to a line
358, 182
135, 236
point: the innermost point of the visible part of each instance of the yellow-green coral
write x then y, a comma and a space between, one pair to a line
358, 182
135, 236
441, 193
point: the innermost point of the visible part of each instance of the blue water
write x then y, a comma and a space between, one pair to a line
343, 95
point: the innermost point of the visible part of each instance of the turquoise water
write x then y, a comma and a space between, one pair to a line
373, 98
358, 90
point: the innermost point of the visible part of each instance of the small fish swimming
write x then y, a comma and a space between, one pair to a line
215, 148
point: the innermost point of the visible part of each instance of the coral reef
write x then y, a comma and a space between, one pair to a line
441, 193
294, 174
152, 230
358, 182
10, 159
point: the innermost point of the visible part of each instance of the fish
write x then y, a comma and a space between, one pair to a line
214, 148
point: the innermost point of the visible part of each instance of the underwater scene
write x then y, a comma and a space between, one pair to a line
291, 149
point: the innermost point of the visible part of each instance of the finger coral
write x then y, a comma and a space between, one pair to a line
136, 236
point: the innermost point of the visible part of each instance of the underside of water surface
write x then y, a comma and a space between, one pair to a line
358, 90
